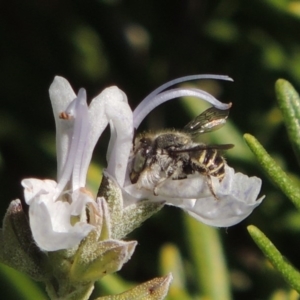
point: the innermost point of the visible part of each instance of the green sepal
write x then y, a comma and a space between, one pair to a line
17, 247
68, 291
155, 289
125, 220
61, 285
99, 216
278, 176
289, 104
287, 271
94, 259
111, 192
133, 216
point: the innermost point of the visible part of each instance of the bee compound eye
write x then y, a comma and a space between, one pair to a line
138, 165
139, 161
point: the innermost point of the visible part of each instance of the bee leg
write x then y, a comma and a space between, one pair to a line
210, 186
155, 193
202, 169
161, 182
157, 186
179, 177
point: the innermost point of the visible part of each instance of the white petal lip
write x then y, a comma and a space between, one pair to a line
36, 188
50, 220
237, 197
233, 205
52, 234
195, 186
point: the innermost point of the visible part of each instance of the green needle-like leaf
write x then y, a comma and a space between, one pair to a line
111, 284
288, 272
171, 261
209, 261
21, 285
289, 104
278, 176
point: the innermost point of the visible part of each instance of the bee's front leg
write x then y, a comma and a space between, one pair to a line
158, 185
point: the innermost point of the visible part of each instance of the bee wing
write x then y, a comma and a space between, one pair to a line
213, 147
200, 147
211, 119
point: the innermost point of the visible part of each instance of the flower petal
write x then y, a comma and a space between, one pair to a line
121, 122
51, 230
34, 188
50, 220
61, 95
236, 197
97, 123
223, 212
110, 106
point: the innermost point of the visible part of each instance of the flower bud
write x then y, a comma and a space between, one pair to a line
17, 247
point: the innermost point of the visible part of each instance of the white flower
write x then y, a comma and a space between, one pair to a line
57, 210
236, 194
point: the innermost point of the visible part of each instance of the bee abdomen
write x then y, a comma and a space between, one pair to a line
217, 167
209, 162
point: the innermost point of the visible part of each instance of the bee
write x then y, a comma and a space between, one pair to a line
174, 154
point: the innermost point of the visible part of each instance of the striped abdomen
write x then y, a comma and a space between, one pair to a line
210, 162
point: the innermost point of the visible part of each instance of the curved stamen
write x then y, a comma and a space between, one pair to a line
74, 160
78, 178
112, 140
147, 105
184, 79
179, 80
